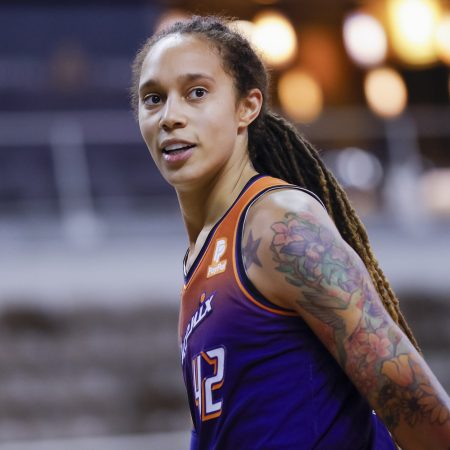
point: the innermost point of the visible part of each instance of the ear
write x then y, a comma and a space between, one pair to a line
249, 108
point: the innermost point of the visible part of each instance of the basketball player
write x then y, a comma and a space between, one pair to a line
290, 335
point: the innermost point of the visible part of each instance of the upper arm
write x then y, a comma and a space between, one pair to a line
304, 264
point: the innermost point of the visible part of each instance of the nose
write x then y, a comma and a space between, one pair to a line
172, 115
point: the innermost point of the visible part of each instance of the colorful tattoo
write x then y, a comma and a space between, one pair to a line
249, 252
370, 348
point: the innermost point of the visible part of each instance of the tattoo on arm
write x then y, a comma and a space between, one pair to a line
332, 281
249, 252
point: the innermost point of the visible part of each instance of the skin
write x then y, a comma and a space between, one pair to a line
292, 251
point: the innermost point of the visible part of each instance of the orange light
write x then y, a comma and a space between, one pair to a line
443, 38
412, 28
385, 92
300, 96
275, 38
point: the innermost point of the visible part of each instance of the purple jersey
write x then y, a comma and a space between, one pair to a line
256, 376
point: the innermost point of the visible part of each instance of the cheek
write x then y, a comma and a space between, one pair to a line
148, 133
221, 125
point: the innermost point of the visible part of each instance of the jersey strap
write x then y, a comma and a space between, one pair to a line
254, 193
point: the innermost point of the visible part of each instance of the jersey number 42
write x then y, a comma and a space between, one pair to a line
212, 362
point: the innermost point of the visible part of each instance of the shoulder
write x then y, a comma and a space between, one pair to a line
282, 201
283, 216
289, 241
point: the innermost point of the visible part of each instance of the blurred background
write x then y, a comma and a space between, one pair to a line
91, 239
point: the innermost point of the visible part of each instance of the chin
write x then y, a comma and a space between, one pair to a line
180, 179
188, 178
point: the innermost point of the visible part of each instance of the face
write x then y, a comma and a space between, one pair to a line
189, 116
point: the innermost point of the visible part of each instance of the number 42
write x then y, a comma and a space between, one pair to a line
204, 387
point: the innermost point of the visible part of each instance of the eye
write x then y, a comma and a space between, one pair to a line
152, 100
197, 93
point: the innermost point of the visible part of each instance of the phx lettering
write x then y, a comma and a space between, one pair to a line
203, 311
217, 266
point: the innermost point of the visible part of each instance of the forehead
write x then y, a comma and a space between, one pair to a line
175, 54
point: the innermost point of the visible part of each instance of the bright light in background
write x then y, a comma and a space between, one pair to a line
275, 38
385, 92
412, 26
443, 38
300, 95
365, 39
360, 169
244, 27
435, 189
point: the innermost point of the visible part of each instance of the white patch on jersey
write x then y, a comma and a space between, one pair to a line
217, 266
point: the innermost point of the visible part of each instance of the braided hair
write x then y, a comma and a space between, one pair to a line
275, 146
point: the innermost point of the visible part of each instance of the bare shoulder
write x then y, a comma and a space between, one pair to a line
278, 201
281, 229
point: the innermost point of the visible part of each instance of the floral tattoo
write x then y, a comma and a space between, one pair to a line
333, 280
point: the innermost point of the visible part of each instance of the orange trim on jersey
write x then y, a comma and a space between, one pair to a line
236, 274
254, 300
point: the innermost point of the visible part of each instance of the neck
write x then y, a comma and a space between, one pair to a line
203, 205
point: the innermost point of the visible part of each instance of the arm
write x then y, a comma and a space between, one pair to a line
303, 263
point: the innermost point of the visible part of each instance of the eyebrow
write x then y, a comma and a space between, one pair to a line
187, 77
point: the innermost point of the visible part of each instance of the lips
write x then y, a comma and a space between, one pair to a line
176, 148
176, 151
175, 145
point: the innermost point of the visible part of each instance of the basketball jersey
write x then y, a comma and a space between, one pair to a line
256, 376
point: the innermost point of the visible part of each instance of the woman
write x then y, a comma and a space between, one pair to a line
290, 335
